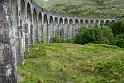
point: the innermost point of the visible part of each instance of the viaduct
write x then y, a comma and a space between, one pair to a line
23, 22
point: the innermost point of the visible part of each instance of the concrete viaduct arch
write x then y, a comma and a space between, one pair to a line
25, 23
50, 21
41, 25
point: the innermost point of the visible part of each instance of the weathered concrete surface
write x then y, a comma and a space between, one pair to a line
7, 45
22, 22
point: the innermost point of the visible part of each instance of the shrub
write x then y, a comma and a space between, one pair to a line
57, 40
120, 43
62, 40
36, 51
82, 29
99, 35
69, 40
120, 36
110, 69
118, 27
119, 40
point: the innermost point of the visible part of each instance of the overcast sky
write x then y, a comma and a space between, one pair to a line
45, 0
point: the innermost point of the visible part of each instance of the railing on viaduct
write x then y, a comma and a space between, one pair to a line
22, 22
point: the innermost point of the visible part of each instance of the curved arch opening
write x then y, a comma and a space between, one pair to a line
29, 20
51, 19
56, 20
66, 21
55, 32
22, 9
45, 18
76, 21
107, 22
60, 29
60, 21
113, 21
35, 29
29, 12
40, 18
70, 21
92, 21
101, 22
70, 29
40, 29
76, 26
81, 21
96, 22
45, 28
34, 16
51, 29
86, 21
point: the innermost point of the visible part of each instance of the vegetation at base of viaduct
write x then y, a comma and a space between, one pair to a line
112, 34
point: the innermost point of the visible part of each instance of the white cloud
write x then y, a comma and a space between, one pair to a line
45, 0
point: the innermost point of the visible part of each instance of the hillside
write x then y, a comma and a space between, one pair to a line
85, 8
71, 63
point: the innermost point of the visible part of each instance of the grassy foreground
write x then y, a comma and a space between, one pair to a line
72, 63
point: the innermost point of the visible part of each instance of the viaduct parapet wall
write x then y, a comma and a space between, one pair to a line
23, 22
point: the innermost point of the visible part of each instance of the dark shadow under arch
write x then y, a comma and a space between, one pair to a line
51, 19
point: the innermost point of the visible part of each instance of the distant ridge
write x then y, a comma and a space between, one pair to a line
88, 8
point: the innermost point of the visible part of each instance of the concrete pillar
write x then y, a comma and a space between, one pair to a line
102, 22
50, 32
97, 23
61, 35
32, 28
34, 25
26, 33
50, 28
40, 32
76, 28
40, 27
22, 20
86, 23
27, 26
18, 34
71, 34
92, 23
45, 32
7, 43
81, 23
60, 28
53, 30
45, 29
66, 31
56, 30
36, 31
71, 28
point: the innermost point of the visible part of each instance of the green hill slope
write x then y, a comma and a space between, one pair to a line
71, 63
85, 8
